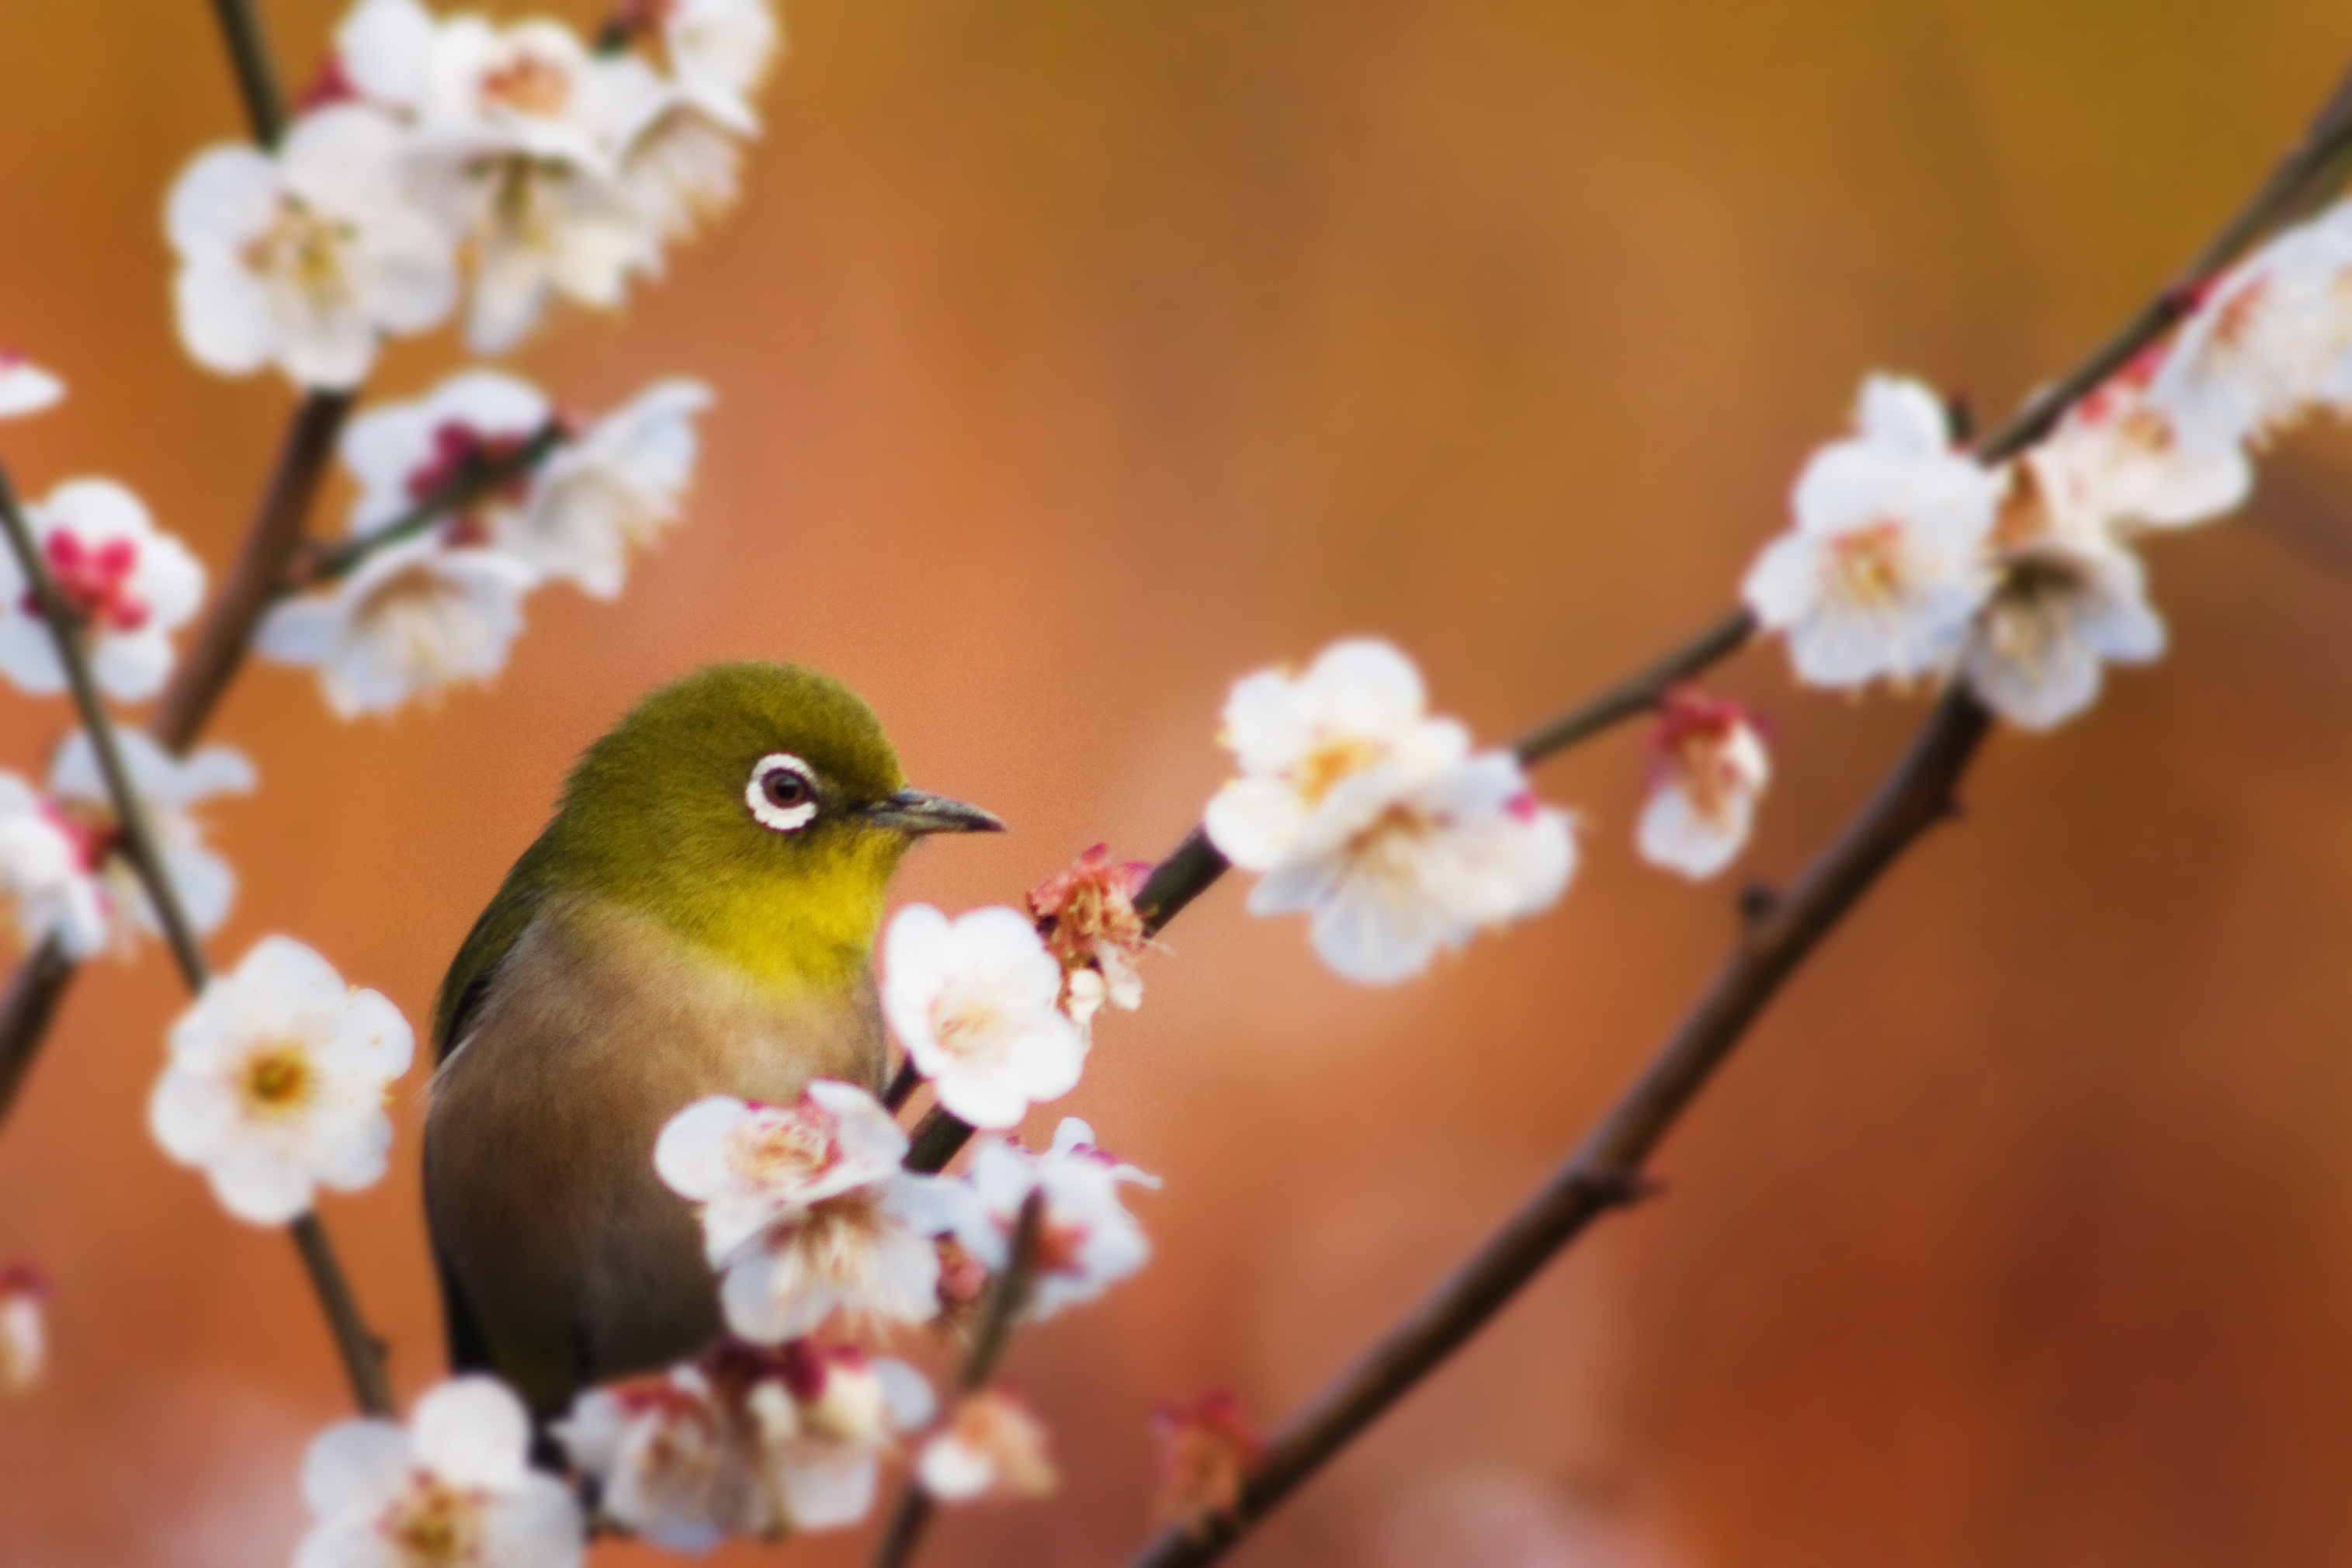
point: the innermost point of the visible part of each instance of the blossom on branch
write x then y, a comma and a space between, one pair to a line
1376, 819
2120, 459
168, 786
805, 1210
1206, 1451
453, 1486
26, 387
304, 259
411, 619
721, 51
2071, 599
746, 1441
51, 867
1708, 767
276, 1083
405, 455
128, 586
992, 1447
2271, 339
24, 1334
1087, 1240
1086, 915
618, 486
1886, 567
976, 1003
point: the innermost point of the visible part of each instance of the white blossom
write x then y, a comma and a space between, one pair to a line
403, 454
169, 787
721, 51
413, 618
1708, 767
2270, 338
1885, 566
976, 1003
991, 1448
746, 1442
1087, 1240
303, 258
26, 387
455, 1486
749, 1165
131, 586
24, 1333
2071, 600
276, 1083
619, 485
2119, 459
50, 868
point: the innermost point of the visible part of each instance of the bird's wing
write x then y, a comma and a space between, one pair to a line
485, 947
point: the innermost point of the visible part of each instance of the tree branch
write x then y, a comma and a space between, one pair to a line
1004, 1305
361, 1351
257, 78
475, 480
1605, 1171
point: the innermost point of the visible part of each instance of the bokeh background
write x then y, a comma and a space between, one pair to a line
1075, 358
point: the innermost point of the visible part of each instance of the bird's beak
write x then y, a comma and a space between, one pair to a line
918, 811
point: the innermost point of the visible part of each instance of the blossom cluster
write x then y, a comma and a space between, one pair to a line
440, 158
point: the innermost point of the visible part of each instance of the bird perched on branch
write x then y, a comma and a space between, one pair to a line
697, 919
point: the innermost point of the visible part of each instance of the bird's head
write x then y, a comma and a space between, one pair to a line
758, 809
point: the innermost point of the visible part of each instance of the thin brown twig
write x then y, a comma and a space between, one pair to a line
474, 480
361, 1351
1606, 1171
256, 78
1005, 1307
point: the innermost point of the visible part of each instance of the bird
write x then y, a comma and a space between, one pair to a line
698, 918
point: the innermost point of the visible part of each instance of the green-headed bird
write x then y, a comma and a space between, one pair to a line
697, 919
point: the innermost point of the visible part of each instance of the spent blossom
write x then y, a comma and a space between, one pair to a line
277, 1080
806, 1212
1086, 915
307, 256
1206, 1450
411, 619
1377, 820
26, 387
975, 1000
1707, 766
747, 1441
51, 872
170, 787
128, 586
991, 1446
455, 1486
1885, 566
24, 1331
1086, 1239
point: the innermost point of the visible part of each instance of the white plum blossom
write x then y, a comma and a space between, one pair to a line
26, 387
975, 1000
1087, 1240
403, 454
1708, 767
413, 618
1886, 564
806, 1211
2117, 459
50, 868
991, 1446
131, 585
170, 787
746, 1442
24, 1333
619, 485
2071, 600
750, 1166
721, 51
1376, 819
455, 1486
1297, 738
306, 257
2270, 338
276, 1083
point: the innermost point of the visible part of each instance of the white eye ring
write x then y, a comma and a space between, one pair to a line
781, 818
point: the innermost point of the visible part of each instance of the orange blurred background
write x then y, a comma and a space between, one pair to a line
1072, 359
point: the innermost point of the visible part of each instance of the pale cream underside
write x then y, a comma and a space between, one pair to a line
578, 1264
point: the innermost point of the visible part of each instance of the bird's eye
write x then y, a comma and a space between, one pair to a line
783, 792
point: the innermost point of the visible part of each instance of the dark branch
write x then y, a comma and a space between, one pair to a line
475, 480
257, 78
361, 1352
1606, 1171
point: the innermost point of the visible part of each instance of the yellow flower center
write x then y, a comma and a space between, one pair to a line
278, 1080
1333, 759
433, 1526
795, 1147
1867, 563
528, 85
304, 248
